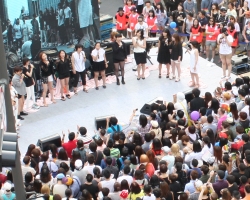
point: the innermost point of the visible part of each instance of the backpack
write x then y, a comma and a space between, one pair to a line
115, 131
45, 167
122, 162
82, 153
183, 179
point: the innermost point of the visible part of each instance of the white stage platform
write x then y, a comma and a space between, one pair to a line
119, 100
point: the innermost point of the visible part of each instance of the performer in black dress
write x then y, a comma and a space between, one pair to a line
119, 57
62, 68
163, 51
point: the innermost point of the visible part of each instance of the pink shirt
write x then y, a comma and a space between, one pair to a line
223, 118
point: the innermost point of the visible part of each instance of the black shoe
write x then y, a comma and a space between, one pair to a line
117, 81
19, 117
104, 86
23, 113
97, 88
123, 82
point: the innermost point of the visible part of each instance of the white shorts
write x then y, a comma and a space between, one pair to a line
176, 61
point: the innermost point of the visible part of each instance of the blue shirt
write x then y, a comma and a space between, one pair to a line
110, 130
190, 187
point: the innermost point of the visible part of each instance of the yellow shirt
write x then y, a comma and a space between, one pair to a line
134, 196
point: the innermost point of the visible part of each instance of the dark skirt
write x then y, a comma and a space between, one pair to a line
63, 76
163, 54
99, 66
140, 58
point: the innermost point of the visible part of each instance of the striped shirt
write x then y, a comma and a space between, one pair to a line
114, 153
86, 140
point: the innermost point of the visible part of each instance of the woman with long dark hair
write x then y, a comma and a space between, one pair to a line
47, 77
156, 146
163, 51
139, 43
119, 57
165, 191
176, 56
207, 146
196, 32
63, 70
210, 134
213, 107
99, 64
179, 16
152, 158
124, 185
233, 111
161, 15
208, 97
194, 63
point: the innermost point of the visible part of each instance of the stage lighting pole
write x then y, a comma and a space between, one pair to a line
16, 171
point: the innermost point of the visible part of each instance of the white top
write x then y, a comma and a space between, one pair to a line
60, 17
246, 110
205, 148
67, 12
190, 156
192, 62
100, 53
224, 48
17, 31
51, 165
138, 49
151, 197
126, 177
25, 29
79, 61
140, 2
144, 26
108, 184
91, 167
26, 169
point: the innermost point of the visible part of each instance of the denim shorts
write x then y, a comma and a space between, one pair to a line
211, 43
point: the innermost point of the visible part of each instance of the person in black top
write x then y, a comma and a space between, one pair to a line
163, 51
179, 16
197, 102
62, 68
203, 22
47, 77
88, 185
119, 57
222, 17
29, 83
176, 56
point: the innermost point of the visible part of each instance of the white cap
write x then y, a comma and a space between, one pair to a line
166, 149
78, 164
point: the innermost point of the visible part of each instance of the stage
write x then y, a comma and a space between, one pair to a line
118, 100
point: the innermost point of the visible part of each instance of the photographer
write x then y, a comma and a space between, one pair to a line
225, 41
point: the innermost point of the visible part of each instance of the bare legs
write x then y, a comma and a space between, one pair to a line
176, 65
96, 74
45, 89
224, 66
20, 105
195, 79
141, 67
229, 65
207, 52
64, 83
160, 67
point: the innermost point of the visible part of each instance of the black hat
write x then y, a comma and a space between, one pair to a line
120, 9
223, 9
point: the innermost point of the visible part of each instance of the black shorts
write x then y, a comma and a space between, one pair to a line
63, 76
99, 66
140, 58
19, 96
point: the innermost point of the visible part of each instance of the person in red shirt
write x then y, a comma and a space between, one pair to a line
121, 22
127, 7
70, 145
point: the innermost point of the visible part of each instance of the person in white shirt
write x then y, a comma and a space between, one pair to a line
25, 31
126, 176
68, 194
18, 33
147, 8
26, 167
78, 60
90, 165
142, 25
139, 43
225, 41
108, 182
148, 193
99, 64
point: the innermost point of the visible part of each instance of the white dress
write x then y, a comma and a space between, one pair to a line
192, 63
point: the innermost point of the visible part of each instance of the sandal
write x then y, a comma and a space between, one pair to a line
85, 90
45, 105
159, 75
177, 79
138, 79
167, 76
68, 96
75, 91
63, 98
197, 86
53, 101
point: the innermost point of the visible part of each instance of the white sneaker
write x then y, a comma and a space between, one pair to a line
223, 77
212, 60
207, 59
